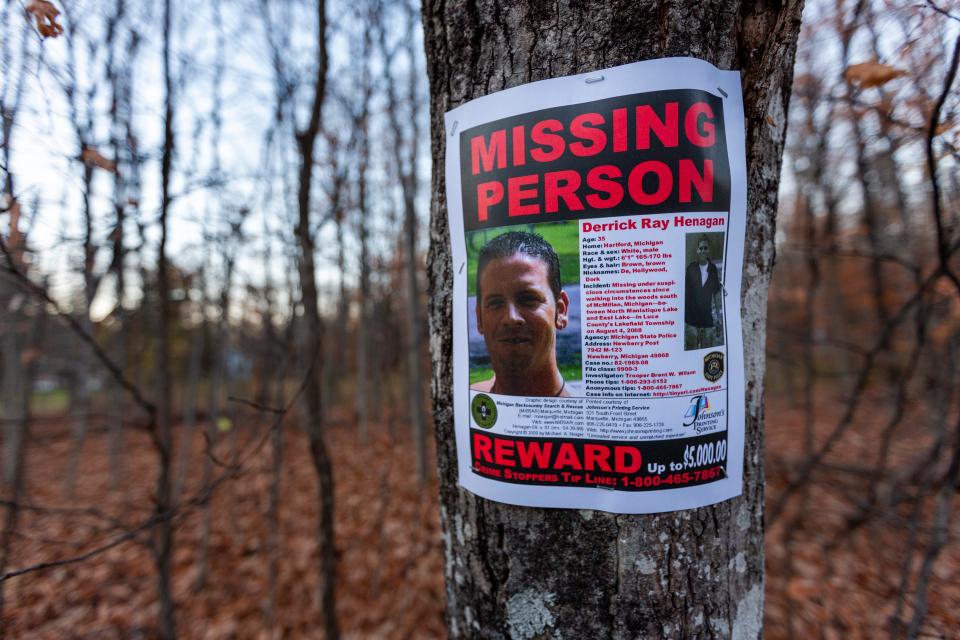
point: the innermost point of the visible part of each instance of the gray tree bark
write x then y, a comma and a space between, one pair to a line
544, 573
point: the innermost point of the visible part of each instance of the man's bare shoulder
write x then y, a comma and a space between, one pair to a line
484, 385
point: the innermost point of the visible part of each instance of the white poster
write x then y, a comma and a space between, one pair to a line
597, 225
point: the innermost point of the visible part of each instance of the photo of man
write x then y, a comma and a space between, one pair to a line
702, 303
520, 307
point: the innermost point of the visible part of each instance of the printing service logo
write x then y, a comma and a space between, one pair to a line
702, 416
698, 406
713, 366
484, 411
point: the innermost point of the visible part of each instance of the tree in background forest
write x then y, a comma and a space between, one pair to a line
222, 258
864, 341
519, 572
97, 501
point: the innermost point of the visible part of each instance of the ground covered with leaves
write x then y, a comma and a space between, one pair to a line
838, 567
388, 541
825, 577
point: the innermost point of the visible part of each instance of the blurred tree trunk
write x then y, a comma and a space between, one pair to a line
361, 122
191, 390
527, 572
219, 333
20, 339
11, 337
405, 161
19, 423
81, 117
306, 139
12, 380
122, 53
335, 367
163, 441
218, 413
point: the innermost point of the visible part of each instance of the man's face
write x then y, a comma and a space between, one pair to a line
703, 252
518, 315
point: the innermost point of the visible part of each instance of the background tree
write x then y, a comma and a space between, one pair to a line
861, 528
525, 572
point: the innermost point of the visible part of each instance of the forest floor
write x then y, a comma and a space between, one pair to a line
832, 574
387, 528
820, 580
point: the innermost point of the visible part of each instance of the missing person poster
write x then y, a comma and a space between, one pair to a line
597, 225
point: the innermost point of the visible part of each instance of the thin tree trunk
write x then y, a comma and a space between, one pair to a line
115, 446
80, 392
271, 389
529, 572
119, 76
190, 394
306, 140
216, 340
19, 453
363, 322
406, 168
218, 334
11, 340
18, 349
362, 127
273, 513
334, 365
163, 538
213, 415
12, 383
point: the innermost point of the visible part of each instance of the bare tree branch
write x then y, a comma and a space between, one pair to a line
943, 238
115, 371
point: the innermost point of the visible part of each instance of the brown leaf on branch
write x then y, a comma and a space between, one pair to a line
872, 74
29, 355
944, 126
46, 16
115, 233
15, 237
92, 157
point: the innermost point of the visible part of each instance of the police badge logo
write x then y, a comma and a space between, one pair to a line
713, 366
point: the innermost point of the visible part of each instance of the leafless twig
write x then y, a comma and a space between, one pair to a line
38, 291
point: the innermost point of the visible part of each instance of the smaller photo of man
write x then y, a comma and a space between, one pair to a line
703, 291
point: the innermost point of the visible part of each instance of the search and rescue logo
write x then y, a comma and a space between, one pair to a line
484, 411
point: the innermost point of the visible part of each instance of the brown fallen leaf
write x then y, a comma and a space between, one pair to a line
92, 157
15, 237
46, 16
872, 74
29, 355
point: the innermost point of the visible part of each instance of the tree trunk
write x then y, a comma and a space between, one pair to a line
406, 168
20, 428
335, 367
313, 401
363, 322
535, 573
164, 534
